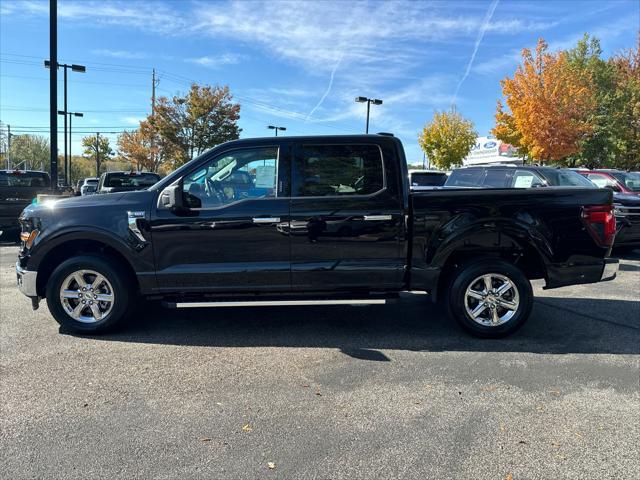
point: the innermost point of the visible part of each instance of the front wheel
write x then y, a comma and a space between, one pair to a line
87, 294
490, 299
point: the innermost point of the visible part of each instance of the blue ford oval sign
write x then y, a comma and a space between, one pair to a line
489, 145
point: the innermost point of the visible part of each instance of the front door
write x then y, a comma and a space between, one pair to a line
231, 235
347, 222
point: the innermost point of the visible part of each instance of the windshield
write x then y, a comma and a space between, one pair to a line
630, 180
130, 179
563, 177
24, 179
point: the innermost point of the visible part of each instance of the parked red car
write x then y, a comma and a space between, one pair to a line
618, 180
626, 200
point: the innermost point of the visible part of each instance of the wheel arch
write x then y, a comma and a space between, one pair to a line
511, 244
72, 246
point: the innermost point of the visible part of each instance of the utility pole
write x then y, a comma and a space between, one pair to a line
154, 83
53, 91
98, 154
65, 129
8, 147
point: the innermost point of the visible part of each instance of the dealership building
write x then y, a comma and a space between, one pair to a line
489, 150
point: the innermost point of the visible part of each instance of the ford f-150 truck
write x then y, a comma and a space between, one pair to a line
320, 220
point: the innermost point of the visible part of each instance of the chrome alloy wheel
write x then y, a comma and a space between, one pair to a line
86, 296
491, 299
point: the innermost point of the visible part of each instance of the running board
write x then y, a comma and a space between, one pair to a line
276, 303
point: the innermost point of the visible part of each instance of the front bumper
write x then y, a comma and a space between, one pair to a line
610, 269
26, 280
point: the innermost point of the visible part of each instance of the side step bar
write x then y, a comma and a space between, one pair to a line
276, 303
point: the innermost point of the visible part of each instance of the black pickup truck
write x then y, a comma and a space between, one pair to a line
311, 220
18, 188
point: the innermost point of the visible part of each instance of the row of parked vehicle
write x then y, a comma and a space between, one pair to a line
18, 188
625, 187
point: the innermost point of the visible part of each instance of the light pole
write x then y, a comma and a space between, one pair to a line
369, 101
273, 127
74, 68
71, 115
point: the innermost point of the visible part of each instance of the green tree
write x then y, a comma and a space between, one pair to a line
447, 139
102, 146
188, 125
29, 151
598, 147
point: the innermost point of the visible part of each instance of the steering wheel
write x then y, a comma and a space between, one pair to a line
214, 190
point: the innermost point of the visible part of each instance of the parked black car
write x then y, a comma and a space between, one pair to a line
627, 207
196, 240
426, 178
18, 188
113, 182
505, 176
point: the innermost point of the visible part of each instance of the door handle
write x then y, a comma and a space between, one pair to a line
266, 219
377, 218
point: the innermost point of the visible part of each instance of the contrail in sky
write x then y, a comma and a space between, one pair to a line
483, 28
333, 72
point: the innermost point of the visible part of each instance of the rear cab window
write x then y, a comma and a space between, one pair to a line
24, 179
130, 179
338, 170
465, 178
428, 179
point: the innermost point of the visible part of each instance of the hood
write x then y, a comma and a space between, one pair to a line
70, 206
626, 199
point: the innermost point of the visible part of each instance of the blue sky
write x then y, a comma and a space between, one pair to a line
297, 64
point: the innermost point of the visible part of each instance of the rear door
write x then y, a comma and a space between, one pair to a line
347, 224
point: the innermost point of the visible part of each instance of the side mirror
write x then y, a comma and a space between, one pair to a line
171, 197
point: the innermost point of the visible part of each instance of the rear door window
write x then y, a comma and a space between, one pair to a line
526, 179
338, 170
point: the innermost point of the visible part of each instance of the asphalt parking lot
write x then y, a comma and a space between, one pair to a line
325, 392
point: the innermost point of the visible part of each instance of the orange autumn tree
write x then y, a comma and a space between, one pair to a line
549, 103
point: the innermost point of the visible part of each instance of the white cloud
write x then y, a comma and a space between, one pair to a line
124, 54
483, 28
134, 121
216, 61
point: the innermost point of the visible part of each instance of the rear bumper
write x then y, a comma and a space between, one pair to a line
564, 275
26, 280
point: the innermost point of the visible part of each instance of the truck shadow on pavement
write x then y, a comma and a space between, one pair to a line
557, 326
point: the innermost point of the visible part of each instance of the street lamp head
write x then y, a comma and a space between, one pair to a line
78, 68
78, 114
271, 127
282, 128
61, 112
361, 99
376, 101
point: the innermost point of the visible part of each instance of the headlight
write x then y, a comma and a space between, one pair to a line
28, 237
30, 231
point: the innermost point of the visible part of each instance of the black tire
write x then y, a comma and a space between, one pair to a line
119, 284
469, 276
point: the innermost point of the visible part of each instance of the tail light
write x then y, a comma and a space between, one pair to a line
601, 223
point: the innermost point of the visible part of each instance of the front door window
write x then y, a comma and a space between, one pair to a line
241, 174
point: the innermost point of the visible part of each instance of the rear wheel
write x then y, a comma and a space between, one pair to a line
88, 294
490, 299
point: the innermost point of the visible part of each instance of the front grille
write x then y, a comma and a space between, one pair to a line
626, 211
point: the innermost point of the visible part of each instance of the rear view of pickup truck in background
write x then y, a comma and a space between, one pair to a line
322, 220
18, 188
